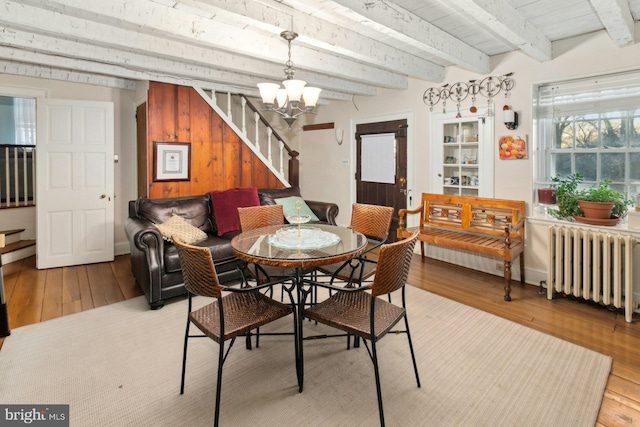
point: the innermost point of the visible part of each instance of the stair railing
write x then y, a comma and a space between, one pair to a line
17, 175
256, 132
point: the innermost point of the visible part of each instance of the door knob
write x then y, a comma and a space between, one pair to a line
103, 196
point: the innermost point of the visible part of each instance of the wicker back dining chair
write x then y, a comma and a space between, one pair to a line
236, 313
263, 216
373, 221
364, 314
255, 217
260, 216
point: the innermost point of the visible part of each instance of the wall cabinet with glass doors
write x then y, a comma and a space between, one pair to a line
462, 154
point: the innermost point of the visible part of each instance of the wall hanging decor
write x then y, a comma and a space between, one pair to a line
171, 161
489, 88
512, 148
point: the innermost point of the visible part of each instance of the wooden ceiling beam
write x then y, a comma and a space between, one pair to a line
507, 23
152, 18
102, 71
64, 74
101, 59
617, 19
317, 33
384, 19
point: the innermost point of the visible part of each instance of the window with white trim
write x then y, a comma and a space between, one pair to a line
589, 126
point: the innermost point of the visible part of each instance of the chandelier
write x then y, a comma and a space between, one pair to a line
288, 101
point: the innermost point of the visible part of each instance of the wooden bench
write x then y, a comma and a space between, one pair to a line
486, 226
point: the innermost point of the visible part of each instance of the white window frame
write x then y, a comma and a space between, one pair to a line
592, 97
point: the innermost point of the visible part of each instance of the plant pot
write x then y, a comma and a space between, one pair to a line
598, 210
547, 196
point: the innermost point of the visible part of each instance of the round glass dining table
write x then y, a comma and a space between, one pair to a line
299, 247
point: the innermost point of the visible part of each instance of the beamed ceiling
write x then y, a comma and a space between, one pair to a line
346, 47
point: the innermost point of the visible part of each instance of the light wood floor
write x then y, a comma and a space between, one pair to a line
38, 295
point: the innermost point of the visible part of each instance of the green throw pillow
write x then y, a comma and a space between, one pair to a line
290, 209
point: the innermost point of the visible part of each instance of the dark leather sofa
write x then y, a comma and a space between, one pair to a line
154, 261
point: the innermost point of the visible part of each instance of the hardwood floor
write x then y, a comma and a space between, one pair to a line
38, 295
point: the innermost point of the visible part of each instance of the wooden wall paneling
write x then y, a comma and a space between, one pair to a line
261, 175
216, 146
201, 145
142, 159
219, 158
232, 158
183, 134
162, 127
247, 161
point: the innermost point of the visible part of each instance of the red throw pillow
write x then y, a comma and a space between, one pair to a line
225, 206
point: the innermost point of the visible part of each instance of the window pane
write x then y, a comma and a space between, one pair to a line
17, 120
634, 171
634, 132
587, 166
612, 129
562, 163
564, 133
613, 166
586, 133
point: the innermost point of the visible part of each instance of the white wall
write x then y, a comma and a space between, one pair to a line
324, 176
125, 148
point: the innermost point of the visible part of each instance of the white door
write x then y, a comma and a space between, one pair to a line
74, 182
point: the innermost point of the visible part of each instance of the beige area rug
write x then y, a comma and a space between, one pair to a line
120, 366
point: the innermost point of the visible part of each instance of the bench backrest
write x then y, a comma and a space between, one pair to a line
474, 214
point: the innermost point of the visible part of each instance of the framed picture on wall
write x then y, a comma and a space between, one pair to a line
171, 161
512, 147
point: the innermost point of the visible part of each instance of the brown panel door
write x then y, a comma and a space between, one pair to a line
375, 193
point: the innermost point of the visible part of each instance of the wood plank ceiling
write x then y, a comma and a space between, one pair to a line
346, 47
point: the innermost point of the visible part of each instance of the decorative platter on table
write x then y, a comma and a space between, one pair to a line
303, 237
298, 219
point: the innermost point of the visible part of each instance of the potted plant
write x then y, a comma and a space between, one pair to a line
566, 191
610, 205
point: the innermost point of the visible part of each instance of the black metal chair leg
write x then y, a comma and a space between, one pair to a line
377, 374
248, 340
413, 356
219, 384
184, 357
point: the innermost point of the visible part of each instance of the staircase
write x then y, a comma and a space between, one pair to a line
15, 248
256, 132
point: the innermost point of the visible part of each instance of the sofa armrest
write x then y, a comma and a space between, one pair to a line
325, 211
147, 257
143, 234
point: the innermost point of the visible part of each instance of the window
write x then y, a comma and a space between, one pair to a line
592, 127
17, 121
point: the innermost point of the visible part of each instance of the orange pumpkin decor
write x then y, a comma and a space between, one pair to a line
512, 148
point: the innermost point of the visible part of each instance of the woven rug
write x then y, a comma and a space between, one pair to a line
119, 365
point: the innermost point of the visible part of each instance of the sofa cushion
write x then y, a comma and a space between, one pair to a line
289, 207
268, 195
196, 210
220, 251
225, 206
179, 227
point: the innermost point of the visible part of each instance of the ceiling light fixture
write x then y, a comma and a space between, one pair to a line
288, 101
